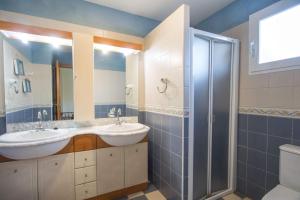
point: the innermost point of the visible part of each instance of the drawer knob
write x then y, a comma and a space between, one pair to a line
136, 150
15, 171
85, 159
86, 191
110, 155
56, 164
85, 175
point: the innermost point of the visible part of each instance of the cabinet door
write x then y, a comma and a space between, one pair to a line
136, 164
110, 169
18, 180
56, 177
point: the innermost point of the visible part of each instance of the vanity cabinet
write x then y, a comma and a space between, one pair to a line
110, 169
136, 164
18, 180
122, 167
56, 177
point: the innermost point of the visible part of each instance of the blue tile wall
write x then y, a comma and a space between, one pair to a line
259, 138
2, 125
166, 153
28, 115
131, 112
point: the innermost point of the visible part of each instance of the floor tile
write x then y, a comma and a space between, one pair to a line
151, 188
135, 195
156, 195
140, 198
232, 197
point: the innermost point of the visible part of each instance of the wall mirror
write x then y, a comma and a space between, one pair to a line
38, 76
115, 81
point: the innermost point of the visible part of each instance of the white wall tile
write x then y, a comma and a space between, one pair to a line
271, 90
164, 58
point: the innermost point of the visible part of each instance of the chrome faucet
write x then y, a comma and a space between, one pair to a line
41, 116
40, 119
119, 113
116, 113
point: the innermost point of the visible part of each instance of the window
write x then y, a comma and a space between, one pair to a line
275, 38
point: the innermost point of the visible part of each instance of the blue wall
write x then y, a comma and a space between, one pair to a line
42, 53
234, 14
82, 13
111, 61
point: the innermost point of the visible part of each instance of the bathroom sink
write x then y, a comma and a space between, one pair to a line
33, 143
124, 134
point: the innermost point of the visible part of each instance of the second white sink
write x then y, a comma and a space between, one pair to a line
124, 134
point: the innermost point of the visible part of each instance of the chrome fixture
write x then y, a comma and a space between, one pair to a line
119, 113
14, 84
41, 116
128, 89
111, 112
116, 113
165, 82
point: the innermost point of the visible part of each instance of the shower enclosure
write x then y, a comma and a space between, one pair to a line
213, 116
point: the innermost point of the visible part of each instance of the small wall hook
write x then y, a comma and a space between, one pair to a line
165, 81
128, 89
13, 83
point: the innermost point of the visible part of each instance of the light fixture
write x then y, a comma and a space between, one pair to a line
55, 45
26, 37
23, 37
105, 49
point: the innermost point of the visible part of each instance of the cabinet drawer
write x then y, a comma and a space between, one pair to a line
136, 164
85, 191
84, 175
85, 158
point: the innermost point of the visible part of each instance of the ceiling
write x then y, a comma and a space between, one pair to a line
160, 9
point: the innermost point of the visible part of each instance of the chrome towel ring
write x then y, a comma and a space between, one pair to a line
164, 89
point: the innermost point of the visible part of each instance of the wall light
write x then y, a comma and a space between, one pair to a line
108, 48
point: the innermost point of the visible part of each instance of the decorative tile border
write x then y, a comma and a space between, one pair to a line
180, 112
292, 113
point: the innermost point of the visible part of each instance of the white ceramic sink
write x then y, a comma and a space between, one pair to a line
124, 134
33, 143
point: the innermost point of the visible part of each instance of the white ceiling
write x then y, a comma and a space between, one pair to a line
160, 9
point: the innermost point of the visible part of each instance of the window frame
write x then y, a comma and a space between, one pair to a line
280, 65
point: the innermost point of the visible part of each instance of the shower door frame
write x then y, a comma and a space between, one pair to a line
234, 84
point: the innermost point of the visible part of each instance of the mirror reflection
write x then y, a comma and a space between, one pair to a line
115, 81
38, 77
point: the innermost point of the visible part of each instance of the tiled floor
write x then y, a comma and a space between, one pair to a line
150, 194
153, 194
234, 197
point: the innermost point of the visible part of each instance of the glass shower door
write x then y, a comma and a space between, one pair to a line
201, 71
212, 63
221, 77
